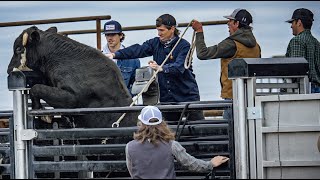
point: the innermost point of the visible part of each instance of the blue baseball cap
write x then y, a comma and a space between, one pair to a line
112, 27
150, 112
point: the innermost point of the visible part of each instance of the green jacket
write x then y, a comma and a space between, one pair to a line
305, 45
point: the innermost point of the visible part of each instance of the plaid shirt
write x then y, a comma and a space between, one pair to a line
305, 45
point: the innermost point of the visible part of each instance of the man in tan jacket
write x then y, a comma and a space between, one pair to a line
240, 44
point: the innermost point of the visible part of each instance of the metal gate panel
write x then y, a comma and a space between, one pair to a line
287, 136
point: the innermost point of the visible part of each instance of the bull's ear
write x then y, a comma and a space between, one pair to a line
52, 30
34, 36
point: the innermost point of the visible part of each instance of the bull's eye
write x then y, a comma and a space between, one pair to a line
18, 50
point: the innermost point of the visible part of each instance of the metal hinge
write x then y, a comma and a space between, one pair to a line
254, 113
28, 134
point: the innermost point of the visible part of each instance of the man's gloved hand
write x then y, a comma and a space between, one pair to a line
110, 55
154, 65
197, 26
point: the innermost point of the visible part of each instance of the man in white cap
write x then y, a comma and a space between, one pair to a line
240, 44
149, 155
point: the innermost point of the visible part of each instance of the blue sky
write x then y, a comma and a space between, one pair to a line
269, 28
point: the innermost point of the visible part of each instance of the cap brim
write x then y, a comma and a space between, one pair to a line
290, 20
112, 32
229, 17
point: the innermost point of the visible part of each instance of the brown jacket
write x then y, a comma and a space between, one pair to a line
242, 52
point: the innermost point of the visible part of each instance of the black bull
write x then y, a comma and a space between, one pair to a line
76, 76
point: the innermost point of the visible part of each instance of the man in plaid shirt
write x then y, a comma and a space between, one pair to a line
305, 45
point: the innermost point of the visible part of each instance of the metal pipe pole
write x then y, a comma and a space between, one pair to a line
19, 145
98, 28
242, 128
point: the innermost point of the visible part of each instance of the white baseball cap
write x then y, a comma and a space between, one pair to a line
150, 112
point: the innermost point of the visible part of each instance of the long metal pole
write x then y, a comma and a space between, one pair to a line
60, 20
146, 27
19, 144
242, 128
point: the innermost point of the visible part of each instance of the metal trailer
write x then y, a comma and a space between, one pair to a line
275, 135
64, 152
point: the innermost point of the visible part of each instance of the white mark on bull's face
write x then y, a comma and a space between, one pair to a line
23, 60
24, 39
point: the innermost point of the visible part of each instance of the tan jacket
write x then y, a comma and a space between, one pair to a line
242, 52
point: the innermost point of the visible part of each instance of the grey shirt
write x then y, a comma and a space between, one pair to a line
180, 154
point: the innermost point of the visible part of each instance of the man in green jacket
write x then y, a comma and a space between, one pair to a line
240, 44
305, 45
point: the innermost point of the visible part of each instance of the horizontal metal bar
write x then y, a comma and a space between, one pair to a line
77, 133
6, 169
59, 20
107, 149
74, 166
276, 85
6, 114
126, 109
291, 163
96, 166
207, 121
4, 133
146, 27
274, 93
4, 129
294, 129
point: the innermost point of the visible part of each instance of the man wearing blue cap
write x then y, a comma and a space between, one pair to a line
303, 44
115, 36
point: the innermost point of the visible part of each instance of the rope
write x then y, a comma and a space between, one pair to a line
189, 58
152, 78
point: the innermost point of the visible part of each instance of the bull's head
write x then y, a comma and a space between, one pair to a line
26, 52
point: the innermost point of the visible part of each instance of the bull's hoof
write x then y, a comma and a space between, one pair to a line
47, 119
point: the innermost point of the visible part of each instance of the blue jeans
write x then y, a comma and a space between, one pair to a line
315, 88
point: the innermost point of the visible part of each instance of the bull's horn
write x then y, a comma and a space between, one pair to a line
24, 39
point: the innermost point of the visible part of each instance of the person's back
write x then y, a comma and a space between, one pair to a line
151, 154
305, 45
145, 165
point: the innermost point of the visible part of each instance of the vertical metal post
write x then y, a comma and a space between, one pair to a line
304, 85
98, 27
251, 93
239, 109
19, 114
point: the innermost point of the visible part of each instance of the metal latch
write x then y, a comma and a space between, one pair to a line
254, 113
28, 134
